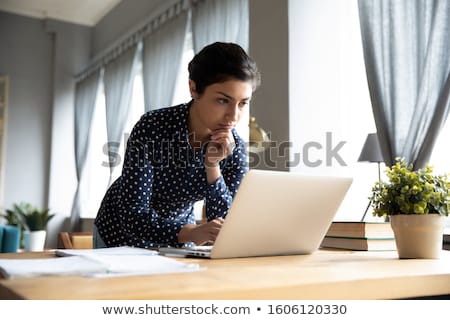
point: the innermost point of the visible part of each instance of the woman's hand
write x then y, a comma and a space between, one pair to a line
202, 233
220, 146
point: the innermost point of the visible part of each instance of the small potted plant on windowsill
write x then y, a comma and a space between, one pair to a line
34, 223
416, 202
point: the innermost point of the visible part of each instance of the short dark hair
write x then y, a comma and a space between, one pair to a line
220, 62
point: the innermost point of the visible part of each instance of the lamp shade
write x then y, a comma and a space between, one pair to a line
371, 151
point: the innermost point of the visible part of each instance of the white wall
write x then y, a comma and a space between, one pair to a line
328, 93
313, 86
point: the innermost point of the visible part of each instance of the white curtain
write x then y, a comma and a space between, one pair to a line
218, 20
407, 56
85, 98
162, 54
118, 82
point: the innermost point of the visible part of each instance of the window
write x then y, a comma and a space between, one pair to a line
329, 93
97, 168
97, 174
329, 99
137, 110
182, 94
440, 158
98, 171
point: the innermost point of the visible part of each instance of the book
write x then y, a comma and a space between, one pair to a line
360, 244
446, 239
378, 230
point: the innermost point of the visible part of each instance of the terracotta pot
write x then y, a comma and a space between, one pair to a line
418, 236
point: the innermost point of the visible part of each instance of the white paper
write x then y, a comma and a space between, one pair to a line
95, 265
141, 265
15, 268
116, 251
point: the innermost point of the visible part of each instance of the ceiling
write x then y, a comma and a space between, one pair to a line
85, 12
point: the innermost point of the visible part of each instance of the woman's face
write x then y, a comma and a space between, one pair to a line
221, 105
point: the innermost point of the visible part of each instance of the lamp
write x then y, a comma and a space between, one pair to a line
371, 152
258, 138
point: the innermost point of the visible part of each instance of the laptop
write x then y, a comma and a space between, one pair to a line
275, 213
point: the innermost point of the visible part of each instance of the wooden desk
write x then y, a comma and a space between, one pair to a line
325, 274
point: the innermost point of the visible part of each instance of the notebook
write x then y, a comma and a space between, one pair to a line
275, 213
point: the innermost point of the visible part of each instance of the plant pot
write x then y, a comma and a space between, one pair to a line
34, 240
418, 236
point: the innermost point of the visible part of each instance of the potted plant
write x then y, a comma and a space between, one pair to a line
416, 202
34, 223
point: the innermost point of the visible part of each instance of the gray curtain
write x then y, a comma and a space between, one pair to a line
162, 54
225, 21
85, 97
407, 56
118, 82
218, 20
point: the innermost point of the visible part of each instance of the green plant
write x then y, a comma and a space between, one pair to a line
11, 218
411, 192
29, 217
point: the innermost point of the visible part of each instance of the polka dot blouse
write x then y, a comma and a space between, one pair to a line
162, 177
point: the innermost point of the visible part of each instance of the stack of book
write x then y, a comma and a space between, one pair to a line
446, 239
363, 236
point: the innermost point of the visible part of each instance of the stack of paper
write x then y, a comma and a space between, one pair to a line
108, 262
115, 251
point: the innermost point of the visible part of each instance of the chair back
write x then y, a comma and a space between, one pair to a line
75, 240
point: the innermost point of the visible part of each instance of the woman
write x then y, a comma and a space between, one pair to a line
179, 155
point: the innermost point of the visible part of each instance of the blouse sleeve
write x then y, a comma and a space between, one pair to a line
221, 193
